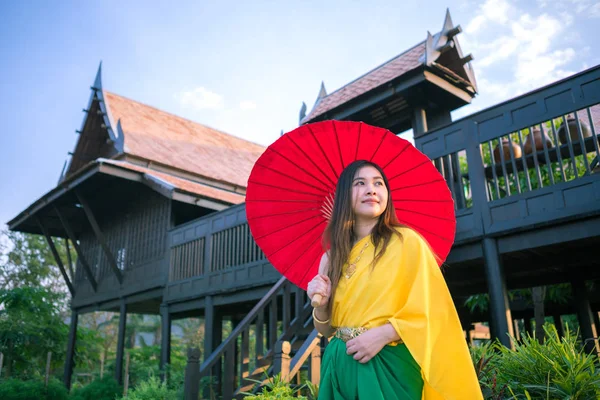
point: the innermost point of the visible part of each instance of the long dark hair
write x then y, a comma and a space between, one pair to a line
339, 237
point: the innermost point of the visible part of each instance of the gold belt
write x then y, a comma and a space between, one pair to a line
345, 334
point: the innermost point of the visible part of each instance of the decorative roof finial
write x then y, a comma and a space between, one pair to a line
302, 113
448, 21
323, 91
98, 80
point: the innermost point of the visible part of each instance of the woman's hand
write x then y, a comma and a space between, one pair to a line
320, 284
367, 345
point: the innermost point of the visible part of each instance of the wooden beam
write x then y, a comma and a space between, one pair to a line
56, 255
80, 256
69, 260
99, 235
447, 86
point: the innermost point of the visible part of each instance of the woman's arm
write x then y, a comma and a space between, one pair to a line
322, 285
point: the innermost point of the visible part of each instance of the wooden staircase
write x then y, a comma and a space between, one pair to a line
275, 337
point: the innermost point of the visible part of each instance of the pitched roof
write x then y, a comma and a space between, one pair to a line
386, 72
158, 136
181, 184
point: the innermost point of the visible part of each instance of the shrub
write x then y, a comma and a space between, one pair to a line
106, 388
13, 389
559, 368
152, 389
275, 388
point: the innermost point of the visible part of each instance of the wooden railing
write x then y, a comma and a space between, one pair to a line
282, 315
526, 161
212, 243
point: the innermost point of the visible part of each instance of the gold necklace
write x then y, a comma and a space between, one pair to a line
352, 267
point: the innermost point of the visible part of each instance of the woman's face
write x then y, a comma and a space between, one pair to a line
369, 194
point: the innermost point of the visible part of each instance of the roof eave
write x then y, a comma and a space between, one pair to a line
373, 96
97, 166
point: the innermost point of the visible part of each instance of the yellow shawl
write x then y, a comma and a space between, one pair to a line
406, 288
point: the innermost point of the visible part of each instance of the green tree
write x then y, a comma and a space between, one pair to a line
30, 326
26, 260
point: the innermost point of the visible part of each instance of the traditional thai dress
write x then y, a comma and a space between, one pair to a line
406, 289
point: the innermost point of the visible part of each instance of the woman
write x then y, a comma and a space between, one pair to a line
396, 331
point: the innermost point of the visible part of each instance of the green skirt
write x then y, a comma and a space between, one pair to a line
391, 374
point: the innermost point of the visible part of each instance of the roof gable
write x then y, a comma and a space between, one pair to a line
161, 137
440, 52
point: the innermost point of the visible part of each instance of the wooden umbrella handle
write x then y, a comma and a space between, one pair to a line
316, 300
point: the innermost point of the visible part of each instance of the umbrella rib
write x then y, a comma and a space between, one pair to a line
307, 269
300, 256
337, 139
397, 155
323, 152
358, 141
281, 201
285, 213
378, 147
418, 184
418, 228
286, 227
426, 215
297, 166
311, 160
292, 178
426, 200
287, 190
298, 237
410, 169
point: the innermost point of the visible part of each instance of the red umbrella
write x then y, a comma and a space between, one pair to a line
291, 187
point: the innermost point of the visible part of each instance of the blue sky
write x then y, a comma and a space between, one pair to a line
246, 67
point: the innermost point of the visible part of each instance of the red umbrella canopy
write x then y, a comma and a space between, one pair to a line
292, 184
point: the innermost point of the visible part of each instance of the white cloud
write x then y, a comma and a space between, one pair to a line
247, 105
543, 69
201, 99
495, 11
500, 49
589, 8
525, 50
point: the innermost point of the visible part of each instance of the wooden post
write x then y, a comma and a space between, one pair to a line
500, 314
48, 361
102, 365
419, 121
584, 314
527, 325
282, 359
1, 361
165, 345
315, 366
126, 385
209, 320
191, 384
517, 330
559, 324
70, 356
121, 342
